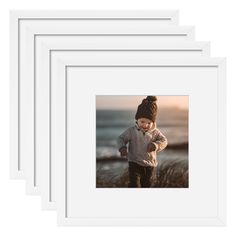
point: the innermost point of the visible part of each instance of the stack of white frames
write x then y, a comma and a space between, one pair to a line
61, 62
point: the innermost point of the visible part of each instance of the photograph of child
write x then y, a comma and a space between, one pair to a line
142, 141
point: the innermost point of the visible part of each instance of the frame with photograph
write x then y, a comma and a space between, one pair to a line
46, 55
79, 202
22, 138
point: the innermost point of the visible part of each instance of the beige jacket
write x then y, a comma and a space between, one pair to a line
137, 142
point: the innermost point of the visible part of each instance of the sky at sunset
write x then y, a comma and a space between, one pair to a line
114, 102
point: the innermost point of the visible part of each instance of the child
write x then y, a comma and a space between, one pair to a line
144, 141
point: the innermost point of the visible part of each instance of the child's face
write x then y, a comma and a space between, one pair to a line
144, 124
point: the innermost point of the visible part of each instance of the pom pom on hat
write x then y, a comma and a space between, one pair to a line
151, 98
147, 109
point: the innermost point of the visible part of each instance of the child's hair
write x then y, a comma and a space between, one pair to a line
147, 109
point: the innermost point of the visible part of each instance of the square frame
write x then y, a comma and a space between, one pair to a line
172, 34
46, 162
19, 150
62, 172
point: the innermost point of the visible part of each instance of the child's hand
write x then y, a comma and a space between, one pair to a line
123, 152
151, 147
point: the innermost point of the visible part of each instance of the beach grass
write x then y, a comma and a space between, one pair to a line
168, 174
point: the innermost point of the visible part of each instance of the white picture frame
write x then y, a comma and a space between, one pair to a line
159, 34
21, 142
47, 57
83, 205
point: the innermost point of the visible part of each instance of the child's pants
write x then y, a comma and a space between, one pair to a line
140, 175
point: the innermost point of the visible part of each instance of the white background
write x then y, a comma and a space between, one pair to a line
214, 21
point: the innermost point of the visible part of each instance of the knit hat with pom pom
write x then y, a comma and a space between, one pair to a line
147, 109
